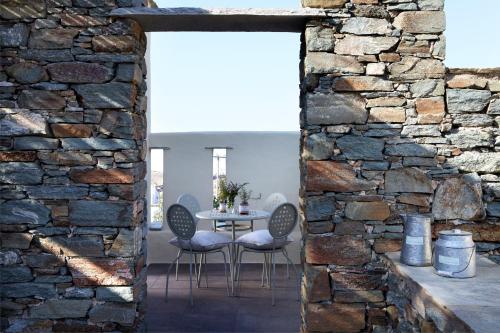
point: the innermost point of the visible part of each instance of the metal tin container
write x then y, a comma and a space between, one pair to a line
417, 248
455, 254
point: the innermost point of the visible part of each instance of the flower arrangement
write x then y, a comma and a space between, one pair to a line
228, 191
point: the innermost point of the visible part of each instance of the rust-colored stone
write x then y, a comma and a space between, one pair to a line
339, 250
383, 245
112, 43
17, 156
481, 232
358, 296
390, 57
101, 272
376, 317
71, 130
362, 83
334, 176
430, 110
323, 3
466, 81
421, 200
335, 317
376, 210
103, 176
316, 283
356, 280
387, 115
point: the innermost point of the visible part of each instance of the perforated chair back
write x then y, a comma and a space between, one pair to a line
273, 201
283, 220
191, 203
181, 222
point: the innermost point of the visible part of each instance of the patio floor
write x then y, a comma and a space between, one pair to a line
214, 311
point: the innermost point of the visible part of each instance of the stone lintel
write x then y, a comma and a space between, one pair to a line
220, 19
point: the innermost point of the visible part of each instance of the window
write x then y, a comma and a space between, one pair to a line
156, 189
219, 167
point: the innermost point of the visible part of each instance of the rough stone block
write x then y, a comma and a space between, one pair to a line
128, 192
324, 3
69, 158
14, 36
20, 173
466, 81
115, 294
22, 9
35, 143
59, 38
467, 100
430, 4
383, 245
15, 240
103, 176
427, 88
361, 45
61, 308
421, 22
108, 95
410, 180
101, 272
366, 26
15, 274
101, 213
320, 38
71, 130
112, 43
326, 63
17, 156
375, 210
319, 208
471, 161
76, 20
413, 68
29, 289
481, 232
358, 296
334, 176
79, 72
411, 149
430, 110
22, 122
337, 250
318, 147
27, 72
331, 109
356, 279
459, 198
76, 292
24, 212
56, 192
361, 148
40, 99
113, 312
387, 115
97, 144
129, 73
91, 246
43, 260
46, 55
316, 283
335, 318
471, 137
127, 243
421, 130
362, 83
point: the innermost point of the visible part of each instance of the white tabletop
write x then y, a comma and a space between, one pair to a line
215, 215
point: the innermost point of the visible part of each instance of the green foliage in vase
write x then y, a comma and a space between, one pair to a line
245, 195
228, 191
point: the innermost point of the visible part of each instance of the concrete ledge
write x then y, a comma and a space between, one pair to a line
223, 19
454, 305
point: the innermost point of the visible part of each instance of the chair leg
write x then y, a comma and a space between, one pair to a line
197, 269
176, 260
240, 259
191, 278
287, 268
264, 263
289, 261
273, 279
225, 273
204, 256
177, 267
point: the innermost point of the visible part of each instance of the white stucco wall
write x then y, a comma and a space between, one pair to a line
268, 161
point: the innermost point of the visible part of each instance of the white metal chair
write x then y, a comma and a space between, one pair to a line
192, 204
187, 239
270, 204
271, 241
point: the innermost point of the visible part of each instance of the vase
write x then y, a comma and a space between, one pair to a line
244, 209
222, 207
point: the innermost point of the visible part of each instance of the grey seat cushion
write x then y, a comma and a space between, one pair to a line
203, 241
262, 240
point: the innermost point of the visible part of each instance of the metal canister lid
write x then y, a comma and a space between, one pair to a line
455, 232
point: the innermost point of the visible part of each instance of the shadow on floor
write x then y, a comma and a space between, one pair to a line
214, 311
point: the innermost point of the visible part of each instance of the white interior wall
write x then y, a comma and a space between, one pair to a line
268, 161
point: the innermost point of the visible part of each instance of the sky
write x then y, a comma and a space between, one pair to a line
250, 81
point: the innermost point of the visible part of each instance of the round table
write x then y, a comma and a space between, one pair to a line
233, 218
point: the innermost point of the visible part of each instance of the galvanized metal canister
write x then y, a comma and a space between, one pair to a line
455, 254
417, 241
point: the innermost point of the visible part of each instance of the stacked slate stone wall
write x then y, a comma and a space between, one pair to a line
385, 132
72, 149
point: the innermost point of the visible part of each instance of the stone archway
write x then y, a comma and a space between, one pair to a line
73, 147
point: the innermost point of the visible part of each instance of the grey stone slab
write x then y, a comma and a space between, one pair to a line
20, 173
97, 144
101, 213
469, 299
55, 192
61, 308
227, 19
29, 289
24, 212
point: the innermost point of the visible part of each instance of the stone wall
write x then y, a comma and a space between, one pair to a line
72, 148
385, 130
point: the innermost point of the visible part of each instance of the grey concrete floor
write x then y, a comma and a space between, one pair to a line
214, 311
